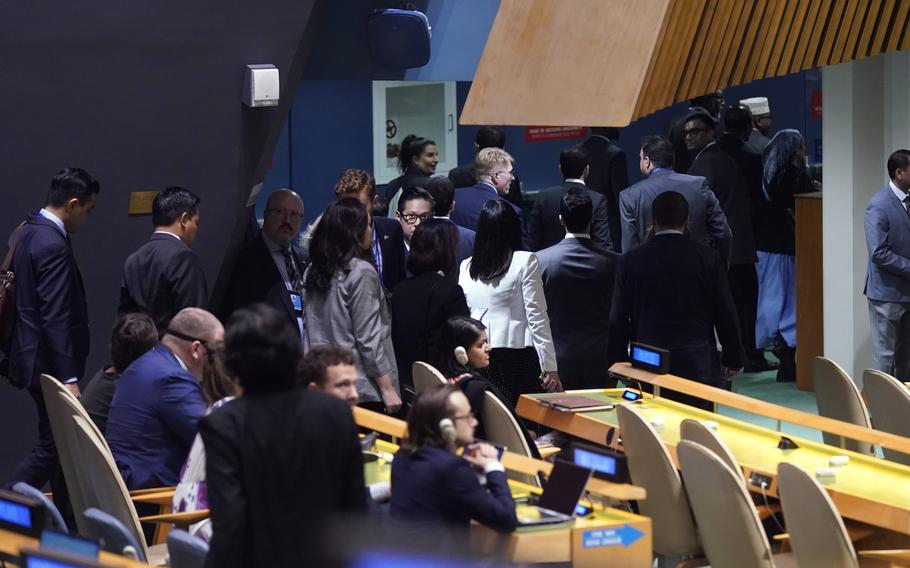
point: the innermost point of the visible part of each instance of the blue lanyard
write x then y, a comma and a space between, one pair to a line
377, 255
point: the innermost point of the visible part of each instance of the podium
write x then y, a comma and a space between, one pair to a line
810, 335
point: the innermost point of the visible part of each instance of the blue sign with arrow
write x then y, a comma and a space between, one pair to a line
624, 535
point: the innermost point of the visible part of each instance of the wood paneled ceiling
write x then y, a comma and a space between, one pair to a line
609, 62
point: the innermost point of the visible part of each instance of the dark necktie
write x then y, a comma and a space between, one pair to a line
291, 266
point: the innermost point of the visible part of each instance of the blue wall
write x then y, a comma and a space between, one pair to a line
331, 130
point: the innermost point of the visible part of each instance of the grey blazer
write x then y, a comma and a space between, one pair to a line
887, 226
353, 313
707, 223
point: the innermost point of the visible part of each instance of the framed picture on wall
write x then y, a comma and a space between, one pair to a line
424, 108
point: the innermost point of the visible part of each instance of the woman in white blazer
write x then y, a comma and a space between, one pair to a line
504, 290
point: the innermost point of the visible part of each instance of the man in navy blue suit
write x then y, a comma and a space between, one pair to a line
887, 224
159, 401
51, 330
494, 176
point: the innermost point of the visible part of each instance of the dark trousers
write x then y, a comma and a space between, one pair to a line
41, 465
743, 279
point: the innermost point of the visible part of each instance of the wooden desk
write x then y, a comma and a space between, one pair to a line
869, 489
11, 543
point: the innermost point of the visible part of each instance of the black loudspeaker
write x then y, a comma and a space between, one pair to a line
399, 38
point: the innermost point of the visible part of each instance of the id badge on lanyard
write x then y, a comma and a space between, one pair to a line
297, 302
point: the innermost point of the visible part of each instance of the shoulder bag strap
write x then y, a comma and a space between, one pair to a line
8, 260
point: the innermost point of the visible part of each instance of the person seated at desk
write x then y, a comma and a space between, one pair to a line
281, 460
461, 352
436, 493
133, 336
159, 401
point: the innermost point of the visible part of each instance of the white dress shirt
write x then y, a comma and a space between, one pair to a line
57, 221
900, 194
513, 307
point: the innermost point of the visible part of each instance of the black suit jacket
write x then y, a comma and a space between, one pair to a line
161, 278
278, 466
256, 278
673, 293
728, 184
544, 228
394, 259
51, 332
608, 175
578, 283
420, 306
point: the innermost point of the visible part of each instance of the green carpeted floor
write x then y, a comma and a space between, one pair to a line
764, 386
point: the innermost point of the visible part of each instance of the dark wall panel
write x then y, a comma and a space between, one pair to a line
142, 95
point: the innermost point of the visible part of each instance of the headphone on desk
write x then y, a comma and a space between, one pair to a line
461, 355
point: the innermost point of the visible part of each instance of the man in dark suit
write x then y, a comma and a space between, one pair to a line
673, 293
465, 175
887, 226
164, 275
159, 401
578, 284
443, 192
50, 334
388, 238
544, 228
281, 460
270, 267
494, 174
707, 223
608, 175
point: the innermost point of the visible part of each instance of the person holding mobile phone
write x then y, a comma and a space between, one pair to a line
436, 493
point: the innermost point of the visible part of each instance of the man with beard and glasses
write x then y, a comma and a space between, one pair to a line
160, 399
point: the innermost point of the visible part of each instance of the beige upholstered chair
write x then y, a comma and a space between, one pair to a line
695, 431
731, 533
889, 407
817, 532
838, 398
103, 487
425, 376
651, 467
502, 429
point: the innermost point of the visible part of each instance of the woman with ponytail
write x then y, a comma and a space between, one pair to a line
437, 492
417, 159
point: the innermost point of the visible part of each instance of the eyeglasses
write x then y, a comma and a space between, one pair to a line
510, 174
691, 132
468, 416
411, 218
289, 213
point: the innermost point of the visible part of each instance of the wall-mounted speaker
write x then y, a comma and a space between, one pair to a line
399, 38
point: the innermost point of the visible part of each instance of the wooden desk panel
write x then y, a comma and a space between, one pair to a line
810, 320
870, 490
11, 543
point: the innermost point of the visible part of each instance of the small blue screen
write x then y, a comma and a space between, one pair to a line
15, 513
631, 395
34, 562
644, 356
53, 540
595, 461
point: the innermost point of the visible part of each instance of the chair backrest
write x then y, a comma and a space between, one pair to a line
61, 406
113, 534
501, 428
838, 398
102, 484
52, 515
889, 407
730, 530
695, 431
651, 467
185, 550
425, 376
817, 533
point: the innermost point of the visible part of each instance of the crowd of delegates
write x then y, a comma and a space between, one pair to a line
232, 409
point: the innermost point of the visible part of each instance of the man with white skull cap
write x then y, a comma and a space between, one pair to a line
761, 121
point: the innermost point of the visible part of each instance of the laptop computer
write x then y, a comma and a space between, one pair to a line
564, 488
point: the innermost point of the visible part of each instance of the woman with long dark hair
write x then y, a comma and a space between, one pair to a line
784, 175
417, 159
422, 303
345, 305
504, 290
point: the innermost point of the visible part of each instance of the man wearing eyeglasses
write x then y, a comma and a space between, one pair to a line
415, 205
164, 275
270, 267
494, 170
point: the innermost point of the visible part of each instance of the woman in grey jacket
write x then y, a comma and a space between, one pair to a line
345, 305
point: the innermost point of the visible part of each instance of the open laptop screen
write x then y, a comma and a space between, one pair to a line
564, 487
